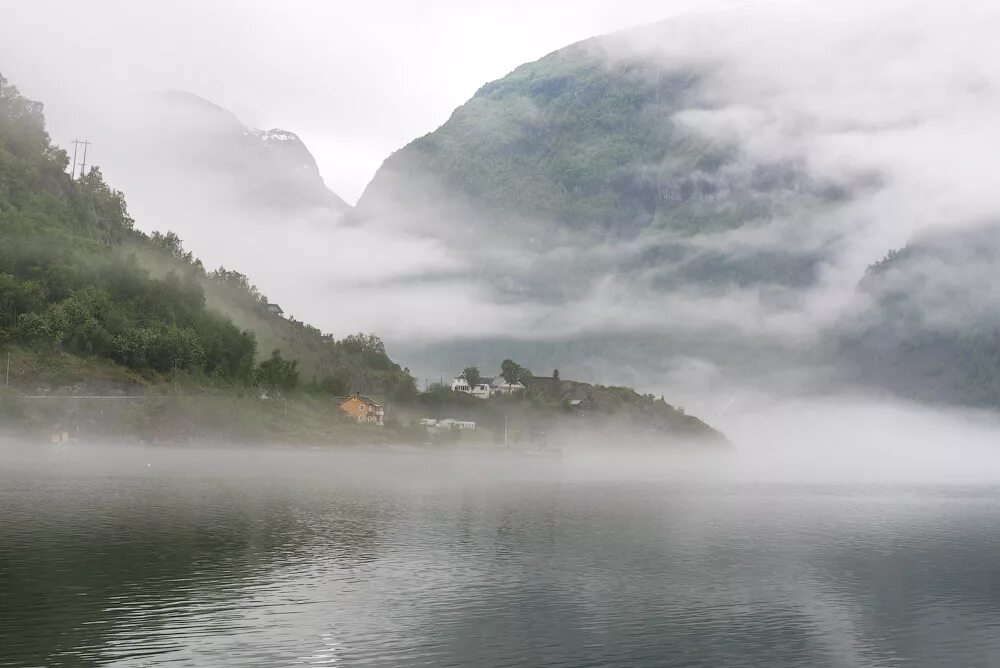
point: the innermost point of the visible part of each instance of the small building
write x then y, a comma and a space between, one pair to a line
482, 389
550, 384
363, 409
486, 387
448, 423
275, 310
434, 424
500, 386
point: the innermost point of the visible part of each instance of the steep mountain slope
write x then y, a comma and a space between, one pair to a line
77, 279
586, 138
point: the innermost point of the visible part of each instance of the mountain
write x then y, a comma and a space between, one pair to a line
688, 197
270, 168
90, 305
78, 278
576, 182
586, 141
243, 197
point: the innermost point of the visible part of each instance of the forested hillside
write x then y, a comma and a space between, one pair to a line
78, 278
586, 140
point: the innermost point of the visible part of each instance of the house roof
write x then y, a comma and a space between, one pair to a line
500, 382
370, 402
275, 307
495, 381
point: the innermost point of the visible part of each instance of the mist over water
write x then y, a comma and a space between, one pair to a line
166, 557
844, 527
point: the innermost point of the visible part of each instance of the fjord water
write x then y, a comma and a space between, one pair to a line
159, 557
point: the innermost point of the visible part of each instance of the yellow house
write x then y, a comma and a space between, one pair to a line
363, 409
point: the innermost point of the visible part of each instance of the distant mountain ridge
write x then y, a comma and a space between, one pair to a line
268, 167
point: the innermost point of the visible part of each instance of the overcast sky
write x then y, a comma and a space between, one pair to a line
356, 80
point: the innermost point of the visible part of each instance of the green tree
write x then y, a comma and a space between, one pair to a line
363, 343
512, 372
278, 375
471, 375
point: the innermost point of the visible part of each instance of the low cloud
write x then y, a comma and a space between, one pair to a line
857, 126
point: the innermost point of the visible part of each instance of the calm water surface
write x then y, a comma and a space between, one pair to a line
143, 557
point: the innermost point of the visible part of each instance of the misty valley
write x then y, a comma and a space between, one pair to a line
662, 336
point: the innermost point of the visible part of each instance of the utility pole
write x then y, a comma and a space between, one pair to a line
83, 165
6, 382
76, 144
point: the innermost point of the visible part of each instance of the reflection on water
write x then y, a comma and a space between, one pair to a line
135, 557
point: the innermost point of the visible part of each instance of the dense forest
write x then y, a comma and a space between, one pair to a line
78, 277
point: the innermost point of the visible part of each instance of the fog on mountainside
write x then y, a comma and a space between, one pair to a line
681, 206
206, 153
707, 193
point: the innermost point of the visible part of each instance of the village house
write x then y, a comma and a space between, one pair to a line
549, 384
275, 310
363, 409
447, 423
482, 389
486, 387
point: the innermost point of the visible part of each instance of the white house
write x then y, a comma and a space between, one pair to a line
448, 423
486, 387
435, 424
500, 386
482, 389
